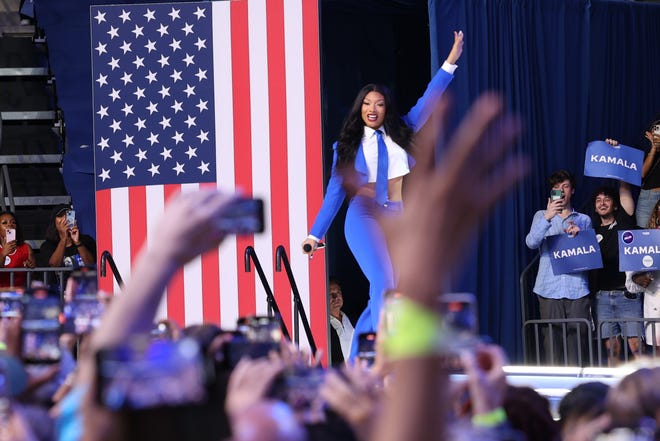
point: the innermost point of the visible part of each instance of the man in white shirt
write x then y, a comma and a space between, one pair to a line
342, 328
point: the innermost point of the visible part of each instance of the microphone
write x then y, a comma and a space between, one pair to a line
307, 247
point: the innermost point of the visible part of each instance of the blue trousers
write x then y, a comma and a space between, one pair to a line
366, 240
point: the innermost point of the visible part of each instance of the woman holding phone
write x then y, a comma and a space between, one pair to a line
14, 252
373, 147
650, 192
65, 245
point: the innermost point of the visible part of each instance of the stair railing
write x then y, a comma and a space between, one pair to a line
298, 307
273, 309
106, 258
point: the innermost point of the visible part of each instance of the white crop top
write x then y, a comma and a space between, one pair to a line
397, 156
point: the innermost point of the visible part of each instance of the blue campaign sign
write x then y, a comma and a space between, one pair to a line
570, 254
621, 162
639, 250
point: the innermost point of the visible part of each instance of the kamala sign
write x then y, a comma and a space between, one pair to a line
639, 250
570, 254
603, 160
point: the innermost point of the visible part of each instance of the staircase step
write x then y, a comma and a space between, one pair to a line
21, 31
38, 200
30, 159
24, 72
19, 51
29, 138
26, 94
35, 180
29, 115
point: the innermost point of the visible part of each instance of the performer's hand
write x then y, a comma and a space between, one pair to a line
456, 49
446, 204
312, 246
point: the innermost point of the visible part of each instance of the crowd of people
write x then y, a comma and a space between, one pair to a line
198, 391
64, 245
115, 374
614, 301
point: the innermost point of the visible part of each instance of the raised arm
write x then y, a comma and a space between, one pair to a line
419, 114
653, 151
427, 243
625, 194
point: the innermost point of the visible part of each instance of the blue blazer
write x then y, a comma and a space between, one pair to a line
416, 117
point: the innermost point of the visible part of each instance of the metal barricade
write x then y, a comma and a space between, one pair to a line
645, 323
48, 275
564, 324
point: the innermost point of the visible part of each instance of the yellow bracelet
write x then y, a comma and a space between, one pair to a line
491, 419
417, 332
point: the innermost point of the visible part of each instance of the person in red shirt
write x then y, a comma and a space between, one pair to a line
14, 253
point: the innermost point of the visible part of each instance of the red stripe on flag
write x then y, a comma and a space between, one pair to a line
317, 288
176, 309
240, 54
104, 234
279, 185
211, 279
137, 209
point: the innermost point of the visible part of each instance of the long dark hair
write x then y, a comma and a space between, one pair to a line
19, 230
353, 127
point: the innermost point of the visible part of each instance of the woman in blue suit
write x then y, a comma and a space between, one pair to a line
372, 120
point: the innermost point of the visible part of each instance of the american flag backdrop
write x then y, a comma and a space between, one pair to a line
226, 94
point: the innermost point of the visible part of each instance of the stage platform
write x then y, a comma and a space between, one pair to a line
554, 382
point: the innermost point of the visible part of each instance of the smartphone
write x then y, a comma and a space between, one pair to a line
10, 235
459, 314
148, 374
261, 328
40, 331
240, 347
82, 314
242, 216
298, 386
556, 194
11, 304
656, 129
392, 298
367, 348
71, 217
81, 281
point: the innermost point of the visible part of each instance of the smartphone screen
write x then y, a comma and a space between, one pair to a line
71, 217
11, 304
556, 194
299, 387
459, 314
242, 216
40, 331
82, 314
367, 348
151, 374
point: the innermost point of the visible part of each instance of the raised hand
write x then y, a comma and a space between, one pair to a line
446, 204
456, 49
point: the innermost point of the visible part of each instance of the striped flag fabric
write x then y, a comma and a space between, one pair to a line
211, 94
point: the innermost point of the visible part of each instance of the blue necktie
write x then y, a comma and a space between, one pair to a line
381, 172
